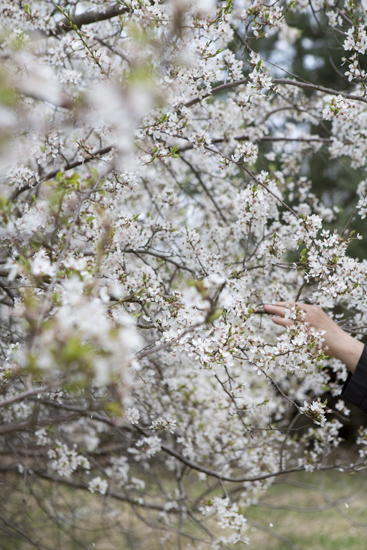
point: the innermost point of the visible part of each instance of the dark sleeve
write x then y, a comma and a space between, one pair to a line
355, 388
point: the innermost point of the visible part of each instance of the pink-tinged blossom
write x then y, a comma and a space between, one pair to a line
339, 107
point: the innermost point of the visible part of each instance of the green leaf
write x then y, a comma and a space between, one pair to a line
214, 315
173, 152
228, 7
113, 408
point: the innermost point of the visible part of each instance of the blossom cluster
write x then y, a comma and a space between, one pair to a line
338, 107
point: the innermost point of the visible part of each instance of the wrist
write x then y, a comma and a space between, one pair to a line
348, 350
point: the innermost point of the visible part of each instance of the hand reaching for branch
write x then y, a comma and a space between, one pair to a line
338, 343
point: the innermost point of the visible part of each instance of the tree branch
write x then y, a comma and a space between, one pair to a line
19, 531
310, 139
80, 485
255, 179
161, 257
200, 180
90, 16
216, 90
211, 473
308, 86
21, 426
69, 166
23, 395
284, 81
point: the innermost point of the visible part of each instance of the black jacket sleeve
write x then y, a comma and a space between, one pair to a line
355, 388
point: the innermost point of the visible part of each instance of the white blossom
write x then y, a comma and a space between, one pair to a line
42, 438
167, 424
316, 411
133, 415
247, 152
98, 485
65, 461
356, 39
338, 107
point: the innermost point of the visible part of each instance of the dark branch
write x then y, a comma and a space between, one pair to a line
19, 531
284, 81
69, 166
21, 426
216, 90
308, 86
89, 17
80, 485
310, 139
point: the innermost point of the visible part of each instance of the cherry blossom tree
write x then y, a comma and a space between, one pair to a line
153, 199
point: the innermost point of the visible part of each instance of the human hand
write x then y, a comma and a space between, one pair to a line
338, 343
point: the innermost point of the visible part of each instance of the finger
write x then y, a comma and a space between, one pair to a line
275, 309
292, 304
282, 322
287, 305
